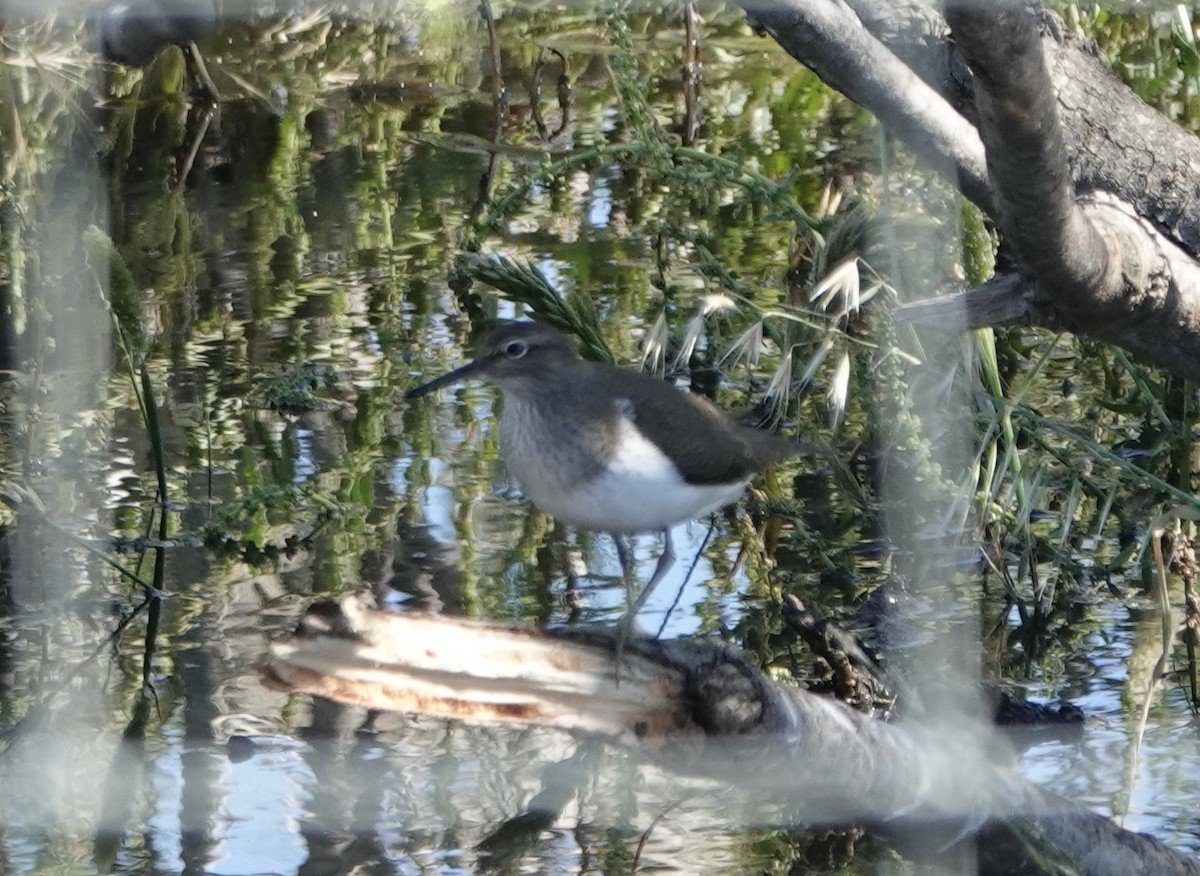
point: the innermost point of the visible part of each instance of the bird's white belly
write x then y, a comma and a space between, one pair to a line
639, 491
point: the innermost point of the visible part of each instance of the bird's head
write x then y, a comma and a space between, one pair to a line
508, 356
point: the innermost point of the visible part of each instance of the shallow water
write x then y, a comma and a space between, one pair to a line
316, 229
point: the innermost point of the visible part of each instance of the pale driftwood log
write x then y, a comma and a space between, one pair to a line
1097, 194
700, 707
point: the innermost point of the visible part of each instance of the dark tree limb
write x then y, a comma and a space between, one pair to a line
1114, 141
1006, 299
1026, 156
700, 707
1097, 192
1111, 274
831, 41
916, 34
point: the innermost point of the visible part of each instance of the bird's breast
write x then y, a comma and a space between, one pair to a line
620, 482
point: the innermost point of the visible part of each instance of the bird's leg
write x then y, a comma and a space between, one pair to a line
665, 560
634, 604
625, 556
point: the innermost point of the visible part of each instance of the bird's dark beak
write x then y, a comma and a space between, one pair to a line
468, 370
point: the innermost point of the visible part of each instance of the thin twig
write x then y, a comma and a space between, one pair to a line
686, 578
20, 498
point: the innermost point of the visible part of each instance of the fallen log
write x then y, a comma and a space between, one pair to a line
701, 708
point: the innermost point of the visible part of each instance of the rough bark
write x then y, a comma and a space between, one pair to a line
1098, 193
700, 707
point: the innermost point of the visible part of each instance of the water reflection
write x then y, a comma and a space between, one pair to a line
401, 797
315, 227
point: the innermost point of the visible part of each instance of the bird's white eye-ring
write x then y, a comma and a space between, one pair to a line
516, 349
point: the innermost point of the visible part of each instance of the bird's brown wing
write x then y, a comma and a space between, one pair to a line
706, 446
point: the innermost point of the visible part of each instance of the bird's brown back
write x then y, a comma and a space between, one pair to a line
706, 446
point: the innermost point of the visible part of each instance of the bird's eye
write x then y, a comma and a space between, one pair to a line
516, 349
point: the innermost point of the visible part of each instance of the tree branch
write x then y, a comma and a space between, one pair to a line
1006, 299
1026, 157
828, 38
1114, 141
1094, 190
